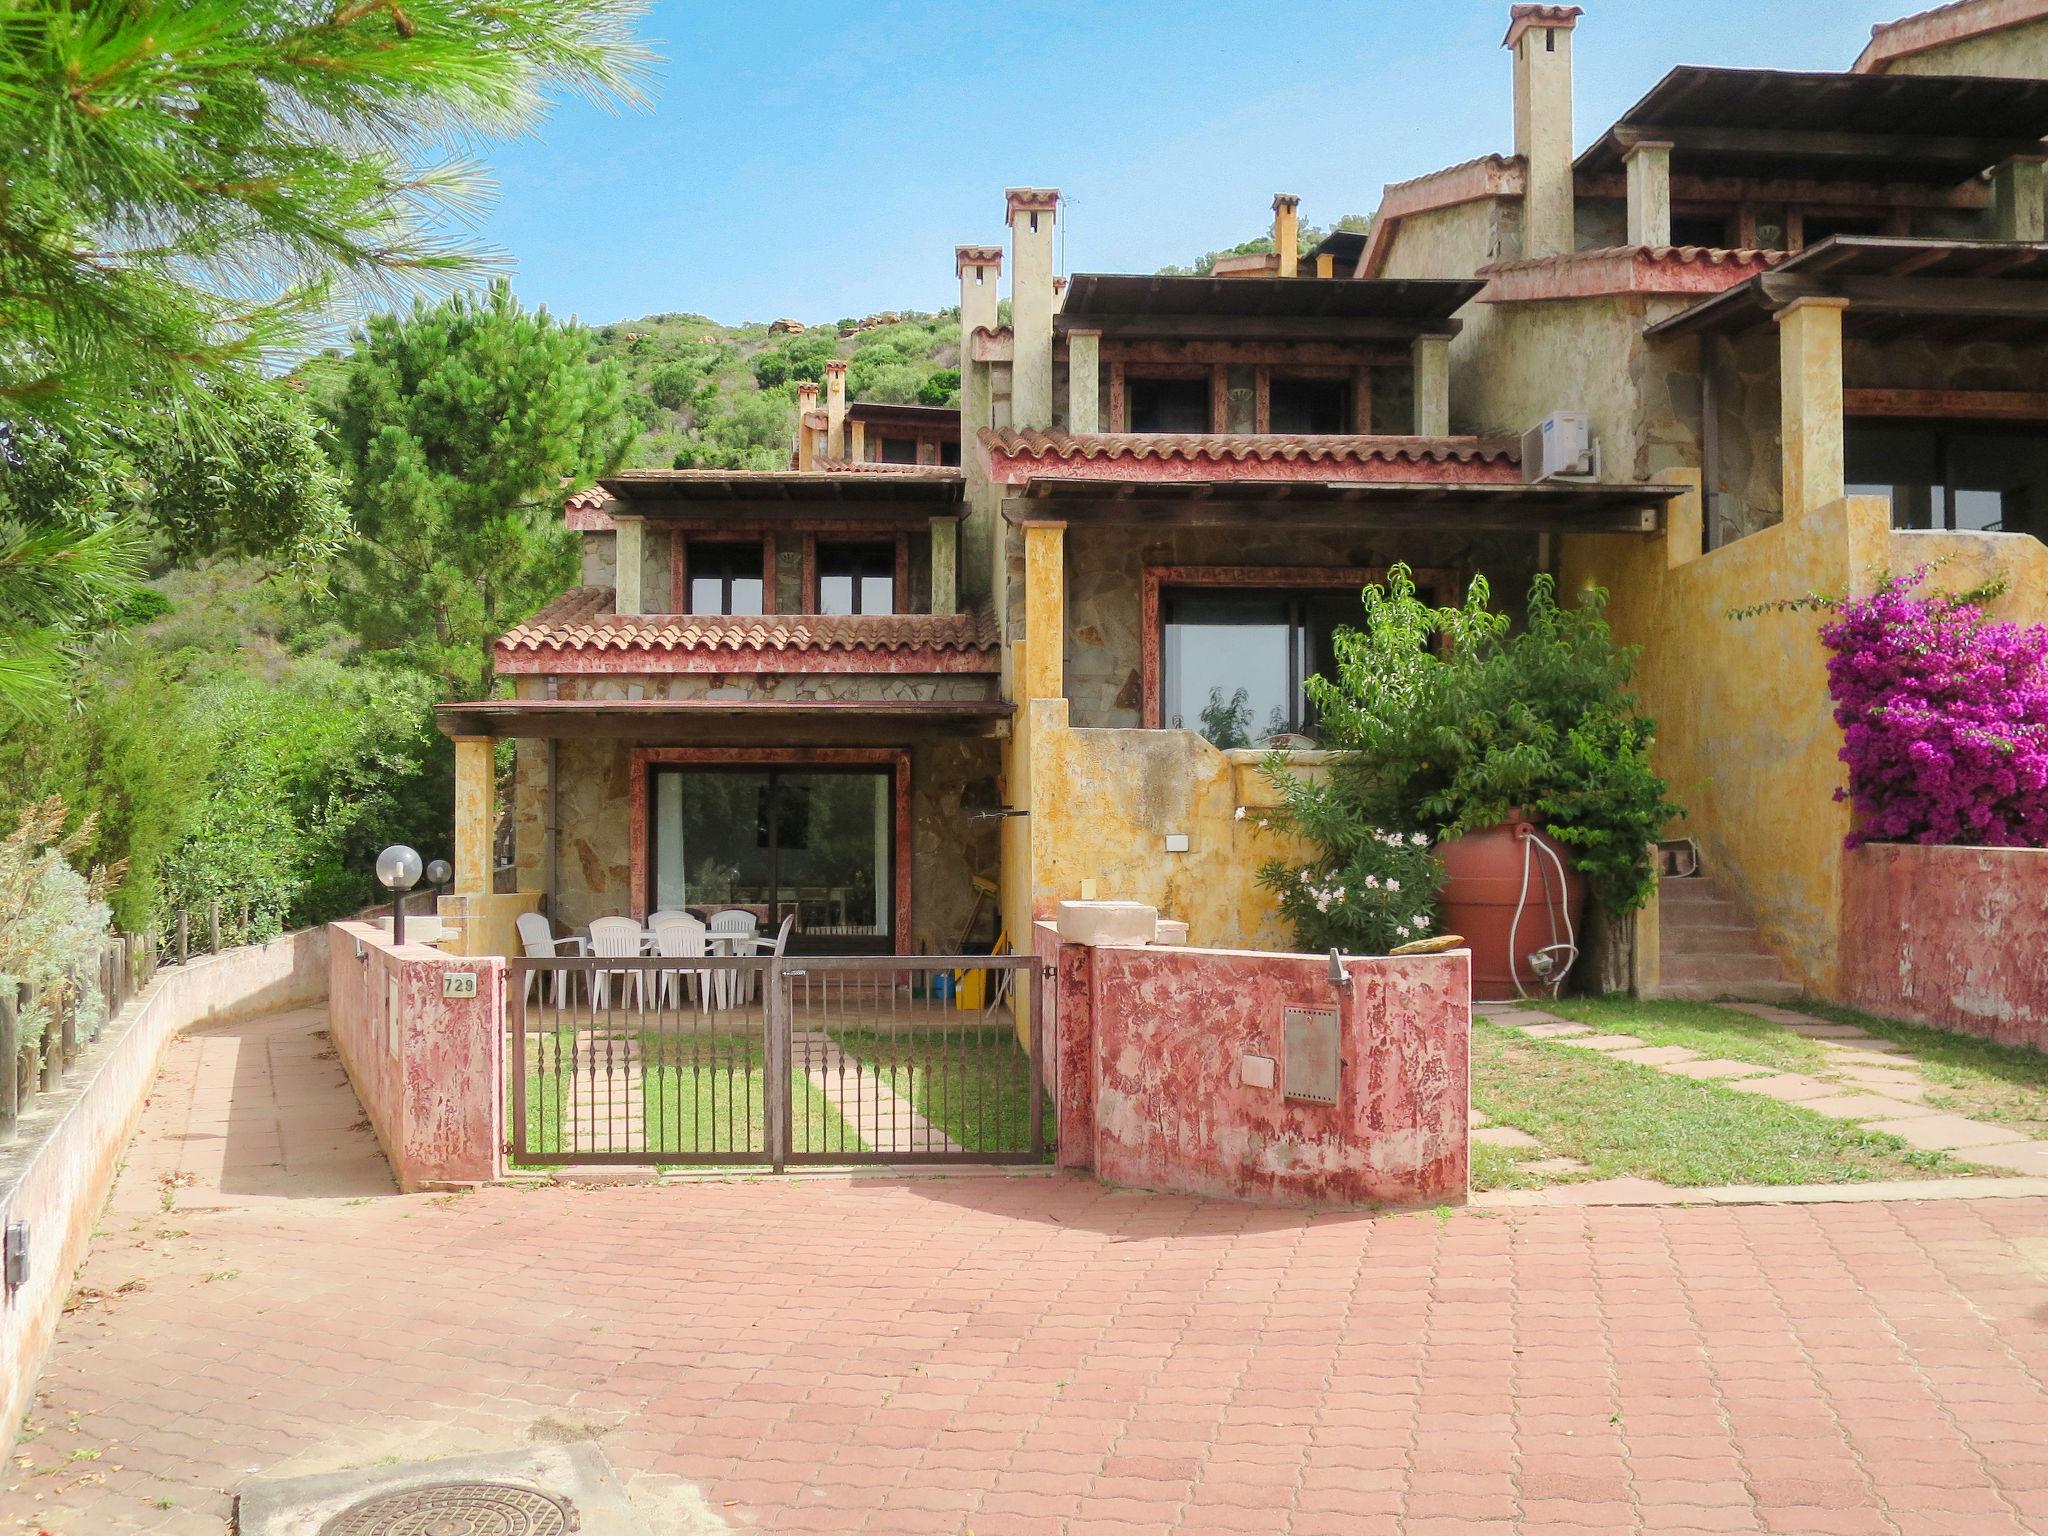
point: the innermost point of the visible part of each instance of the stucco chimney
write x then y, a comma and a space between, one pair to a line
1032, 212
806, 439
1287, 232
1541, 38
835, 409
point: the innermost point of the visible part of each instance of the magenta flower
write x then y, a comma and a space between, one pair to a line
1944, 718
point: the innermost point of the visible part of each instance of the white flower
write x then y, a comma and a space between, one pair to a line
1422, 924
1420, 840
1240, 813
1304, 877
1372, 882
1401, 929
1393, 885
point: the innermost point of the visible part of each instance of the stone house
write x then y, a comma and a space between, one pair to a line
1045, 641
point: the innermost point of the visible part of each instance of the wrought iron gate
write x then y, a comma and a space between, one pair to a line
766, 1062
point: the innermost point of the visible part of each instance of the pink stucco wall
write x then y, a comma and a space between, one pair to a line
56, 1173
1150, 1049
1952, 937
427, 1067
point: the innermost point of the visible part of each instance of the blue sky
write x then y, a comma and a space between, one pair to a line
822, 159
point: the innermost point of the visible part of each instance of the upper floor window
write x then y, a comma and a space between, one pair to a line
726, 578
1309, 405
1982, 477
1166, 405
949, 453
899, 450
856, 578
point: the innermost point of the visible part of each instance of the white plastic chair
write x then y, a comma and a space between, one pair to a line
655, 920
772, 948
538, 942
735, 922
679, 936
616, 938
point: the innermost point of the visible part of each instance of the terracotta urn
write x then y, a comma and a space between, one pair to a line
1503, 891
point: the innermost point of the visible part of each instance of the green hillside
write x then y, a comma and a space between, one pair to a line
711, 396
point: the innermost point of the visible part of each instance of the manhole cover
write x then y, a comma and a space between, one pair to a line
456, 1509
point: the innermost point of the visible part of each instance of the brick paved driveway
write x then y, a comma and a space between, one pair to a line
1012, 1355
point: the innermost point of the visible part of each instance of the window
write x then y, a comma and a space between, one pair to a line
1166, 405
949, 453
1233, 661
725, 578
899, 450
1309, 405
856, 578
818, 842
1986, 477
1709, 230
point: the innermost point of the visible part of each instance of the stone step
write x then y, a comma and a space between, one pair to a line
1687, 968
1720, 939
1690, 891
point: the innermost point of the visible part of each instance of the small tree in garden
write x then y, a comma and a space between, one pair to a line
1446, 720
1944, 717
52, 918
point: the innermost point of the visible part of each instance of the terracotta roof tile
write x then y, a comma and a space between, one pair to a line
581, 620
589, 511
1686, 254
877, 467
1242, 448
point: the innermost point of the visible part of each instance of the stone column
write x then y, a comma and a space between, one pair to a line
476, 813
1287, 232
1541, 38
1032, 212
1432, 386
979, 268
2017, 208
1649, 193
1044, 673
1810, 403
835, 409
1084, 381
945, 565
629, 550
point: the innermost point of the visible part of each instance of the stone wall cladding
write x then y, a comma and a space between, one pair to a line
1104, 661
947, 776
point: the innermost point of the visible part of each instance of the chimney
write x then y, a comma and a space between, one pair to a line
1541, 37
806, 439
835, 409
1287, 232
1032, 211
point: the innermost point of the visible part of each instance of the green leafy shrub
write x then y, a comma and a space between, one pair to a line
1449, 720
1371, 891
52, 919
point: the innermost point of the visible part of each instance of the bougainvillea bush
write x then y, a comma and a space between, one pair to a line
1944, 716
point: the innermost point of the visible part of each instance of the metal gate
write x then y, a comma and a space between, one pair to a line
766, 1062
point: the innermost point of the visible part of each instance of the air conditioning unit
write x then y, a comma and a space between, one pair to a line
1558, 447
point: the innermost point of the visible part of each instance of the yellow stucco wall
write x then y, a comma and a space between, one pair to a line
2020, 52
1746, 733
1104, 803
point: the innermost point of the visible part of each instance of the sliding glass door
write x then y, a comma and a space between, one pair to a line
816, 842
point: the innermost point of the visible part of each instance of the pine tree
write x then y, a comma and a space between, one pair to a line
459, 426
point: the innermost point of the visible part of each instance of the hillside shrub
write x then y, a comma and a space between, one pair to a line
52, 919
1944, 716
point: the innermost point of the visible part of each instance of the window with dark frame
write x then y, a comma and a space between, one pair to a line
1989, 477
1234, 660
856, 578
1308, 405
949, 453
1166, 405
725, 577
899, 450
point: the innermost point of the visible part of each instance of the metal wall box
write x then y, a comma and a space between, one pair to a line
1311, 1062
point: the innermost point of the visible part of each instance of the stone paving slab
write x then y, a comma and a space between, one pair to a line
1713, 1067
1555, 1030
2021, 1157
1601, 1042
1787, 1087
1943, 1133
1864, 1106
1504, 1136
1657, 1055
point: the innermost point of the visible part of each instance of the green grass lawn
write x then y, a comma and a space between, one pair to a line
974, 1084
1703, 1027
1624, 1120
717, 1103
